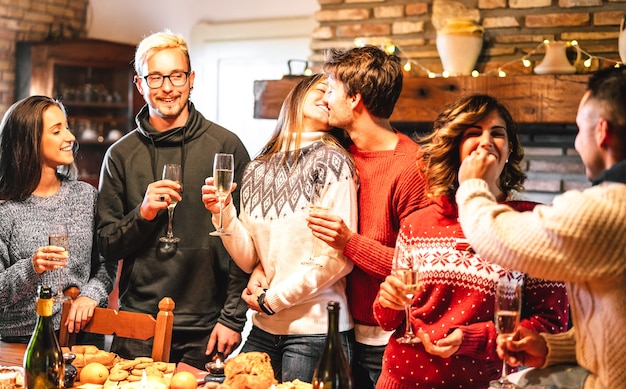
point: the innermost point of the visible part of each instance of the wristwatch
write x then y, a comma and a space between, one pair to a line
261, 300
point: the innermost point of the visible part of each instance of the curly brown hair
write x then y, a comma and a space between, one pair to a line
440, 160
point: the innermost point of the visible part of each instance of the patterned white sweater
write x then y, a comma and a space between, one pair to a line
272, 229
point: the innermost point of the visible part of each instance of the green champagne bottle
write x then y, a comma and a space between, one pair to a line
332, 370
43, 361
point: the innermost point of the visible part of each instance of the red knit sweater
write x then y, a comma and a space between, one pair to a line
457, 291
390, 189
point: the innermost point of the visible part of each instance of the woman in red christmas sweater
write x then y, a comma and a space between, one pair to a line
454, 308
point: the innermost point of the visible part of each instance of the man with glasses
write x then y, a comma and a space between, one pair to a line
196, 272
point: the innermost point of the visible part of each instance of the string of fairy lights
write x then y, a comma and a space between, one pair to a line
387, 45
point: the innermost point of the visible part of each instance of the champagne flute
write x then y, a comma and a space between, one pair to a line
508, 307
318, 201
171, 171
223, 167
405, 267
58, 236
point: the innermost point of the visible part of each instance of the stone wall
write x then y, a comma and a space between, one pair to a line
25, 20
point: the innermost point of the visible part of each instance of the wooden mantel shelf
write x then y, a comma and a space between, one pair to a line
532, 99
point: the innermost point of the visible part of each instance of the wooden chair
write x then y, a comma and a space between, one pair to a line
125, 324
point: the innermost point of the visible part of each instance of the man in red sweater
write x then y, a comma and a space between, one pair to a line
363, 87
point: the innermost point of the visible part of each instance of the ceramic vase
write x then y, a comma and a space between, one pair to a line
555, 60
459, 44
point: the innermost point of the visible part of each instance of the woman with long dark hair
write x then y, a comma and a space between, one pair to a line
38, 188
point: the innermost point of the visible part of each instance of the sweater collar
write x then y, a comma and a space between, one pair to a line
616, 173
307, 139
174, 136
403, 146
448, 206
177, 136
53, 199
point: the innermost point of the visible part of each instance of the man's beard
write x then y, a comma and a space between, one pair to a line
171, 112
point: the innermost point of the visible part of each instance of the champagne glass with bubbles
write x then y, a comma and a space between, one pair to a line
58, 236
507, 310
405, 267
223, 167
172, 172
318, 201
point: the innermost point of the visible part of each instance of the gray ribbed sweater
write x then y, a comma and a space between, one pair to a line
23, 229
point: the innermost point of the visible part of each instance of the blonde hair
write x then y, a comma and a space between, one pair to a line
157, 42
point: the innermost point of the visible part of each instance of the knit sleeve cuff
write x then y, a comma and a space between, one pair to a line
273, 300
472, 188
561, 348
388, 319
474, 342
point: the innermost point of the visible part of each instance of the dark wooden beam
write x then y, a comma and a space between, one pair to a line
533, 99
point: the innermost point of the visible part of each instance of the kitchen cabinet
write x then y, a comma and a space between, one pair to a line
93, 78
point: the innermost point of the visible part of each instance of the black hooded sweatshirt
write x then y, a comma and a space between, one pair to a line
198, 274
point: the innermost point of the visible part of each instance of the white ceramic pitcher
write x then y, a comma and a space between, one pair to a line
555, 61
459, 44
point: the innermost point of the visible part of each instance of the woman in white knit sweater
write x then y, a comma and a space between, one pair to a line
579, 240
271, 238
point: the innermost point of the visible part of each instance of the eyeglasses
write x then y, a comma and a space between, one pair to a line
176, 79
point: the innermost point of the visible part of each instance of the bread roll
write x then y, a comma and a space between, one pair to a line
251, 370
100, 356
78, 349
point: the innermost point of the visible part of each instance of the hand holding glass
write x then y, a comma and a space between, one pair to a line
405, 267
223, 167
58, 236
171, 172
508, 307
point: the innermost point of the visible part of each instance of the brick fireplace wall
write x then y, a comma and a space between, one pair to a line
513, 28
33, 20
551, 163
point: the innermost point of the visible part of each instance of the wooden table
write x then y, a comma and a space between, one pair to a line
12, 354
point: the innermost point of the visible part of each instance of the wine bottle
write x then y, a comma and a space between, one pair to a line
332, 370
43, 360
